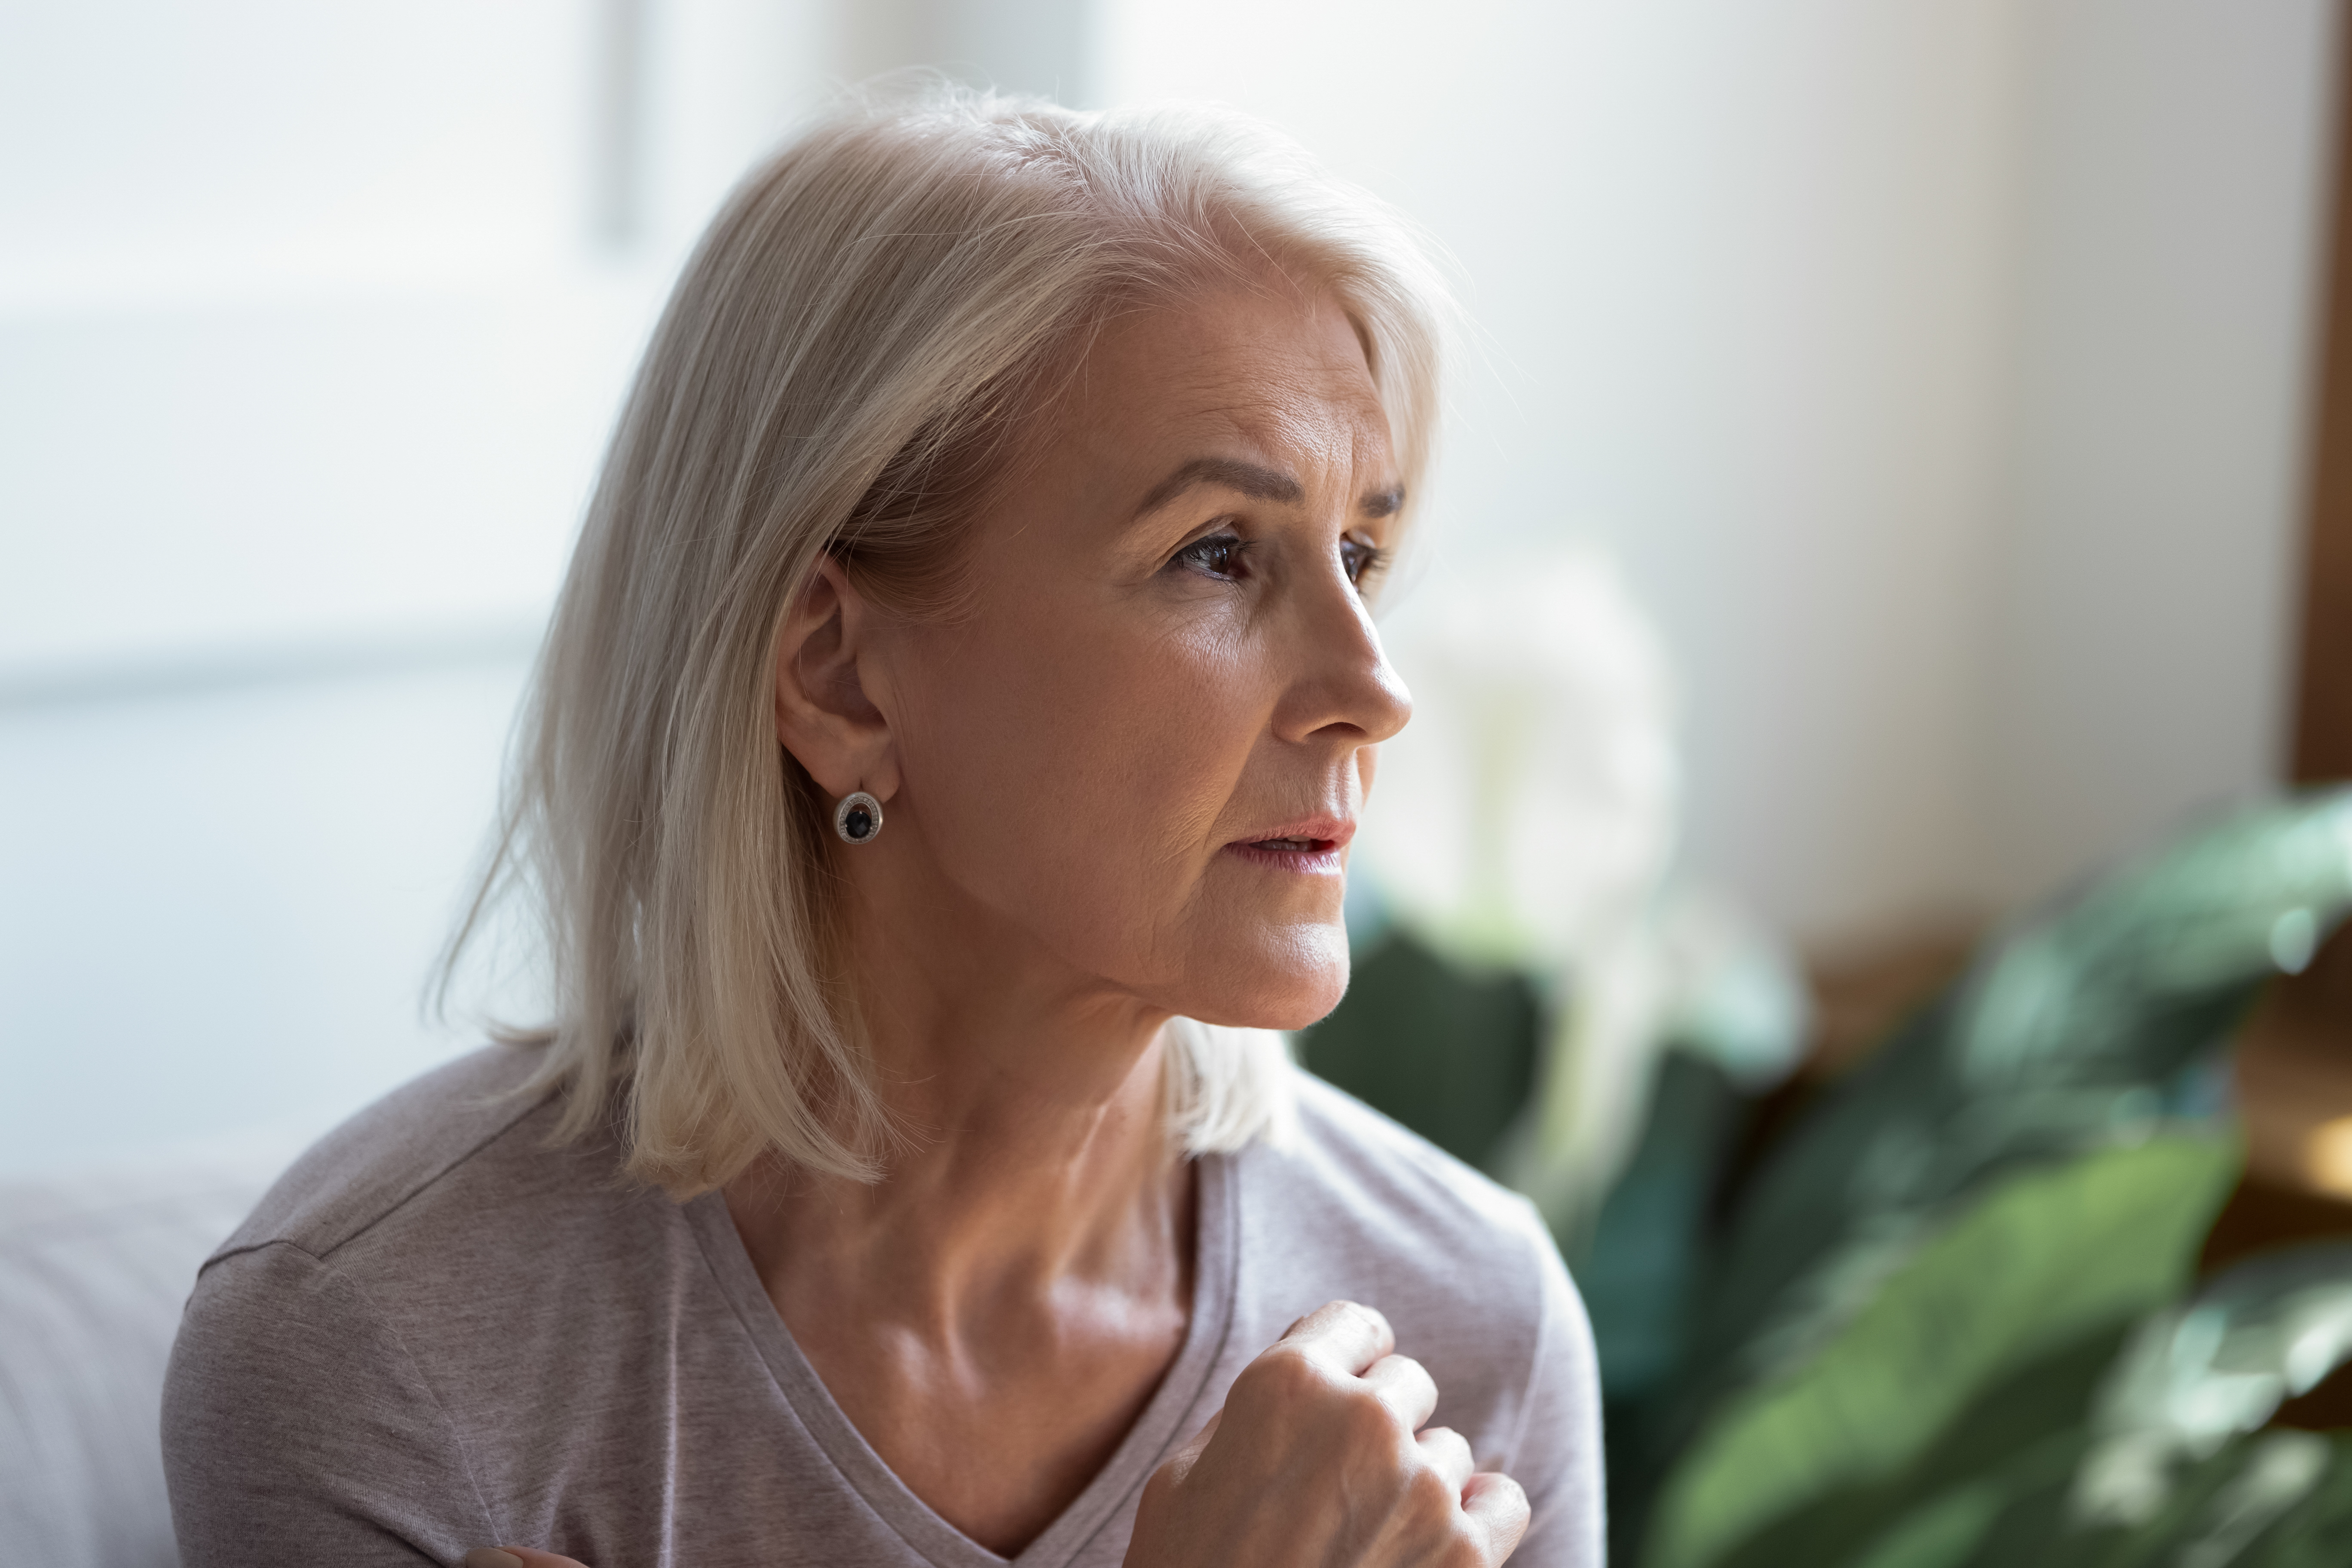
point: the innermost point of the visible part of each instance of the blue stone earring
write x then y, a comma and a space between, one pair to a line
858, 819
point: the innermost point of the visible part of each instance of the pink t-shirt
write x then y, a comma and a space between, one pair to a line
436, 1332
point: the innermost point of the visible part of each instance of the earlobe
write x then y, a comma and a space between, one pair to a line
825, 717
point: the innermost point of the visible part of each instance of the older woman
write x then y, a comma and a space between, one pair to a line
940, 774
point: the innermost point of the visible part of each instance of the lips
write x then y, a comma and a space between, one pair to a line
1310, 846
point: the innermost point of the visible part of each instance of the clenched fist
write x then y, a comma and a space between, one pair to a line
1320, 1455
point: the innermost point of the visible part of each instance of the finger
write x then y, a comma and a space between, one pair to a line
1405, 1386
516, 1557
1343, 1335
1497, 1504
1447, 1452
1185, 1457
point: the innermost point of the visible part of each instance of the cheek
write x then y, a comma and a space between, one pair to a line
1076, 781
1082, 783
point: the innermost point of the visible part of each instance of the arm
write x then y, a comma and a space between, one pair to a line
1557, 1453
297, 1427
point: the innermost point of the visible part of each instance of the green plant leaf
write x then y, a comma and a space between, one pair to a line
1942, 1535
2045, 1257
2313, 1534
2092, 1022
2036, 1410
2215, 1366
2219, 1511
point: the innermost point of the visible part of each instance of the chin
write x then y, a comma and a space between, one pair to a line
1288, 984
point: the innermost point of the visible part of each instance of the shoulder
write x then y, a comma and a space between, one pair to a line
1388, 1189
453, 1196
379, 1227
396, 1151
388, 1304
1354, 1204
303, 1406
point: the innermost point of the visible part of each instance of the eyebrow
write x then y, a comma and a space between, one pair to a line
1256, 481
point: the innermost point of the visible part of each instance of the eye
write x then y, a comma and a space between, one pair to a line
1361, 558
1219, 555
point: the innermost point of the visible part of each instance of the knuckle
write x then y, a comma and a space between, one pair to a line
1516, 1509
1366, 1420
1429, 1497
1281, 1376
1339, 1312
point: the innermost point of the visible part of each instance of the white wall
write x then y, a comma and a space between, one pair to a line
2141, 650
220, 906
312, 321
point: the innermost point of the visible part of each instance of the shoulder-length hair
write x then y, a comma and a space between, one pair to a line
838, 375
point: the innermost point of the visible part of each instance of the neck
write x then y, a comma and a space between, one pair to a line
1033, 1154
994, 1313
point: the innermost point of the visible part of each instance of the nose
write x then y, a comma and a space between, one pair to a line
1343, 688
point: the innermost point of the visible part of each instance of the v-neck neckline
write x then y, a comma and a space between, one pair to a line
1216, 1241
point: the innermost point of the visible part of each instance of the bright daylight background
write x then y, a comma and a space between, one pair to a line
1934, 374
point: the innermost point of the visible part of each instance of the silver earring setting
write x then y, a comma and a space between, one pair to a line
858, 819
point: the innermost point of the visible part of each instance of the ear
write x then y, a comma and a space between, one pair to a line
825, 715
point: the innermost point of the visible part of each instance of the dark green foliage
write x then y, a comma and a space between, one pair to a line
1449, 1053
1636, 1264
2317, 1532
1646, 1241
1977, 1457
2069, 1028
2096, 1022
2048, 1256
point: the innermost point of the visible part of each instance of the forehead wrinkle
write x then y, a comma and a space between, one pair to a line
1315, 416
1323, 437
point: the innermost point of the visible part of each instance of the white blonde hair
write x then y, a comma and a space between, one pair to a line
838, 374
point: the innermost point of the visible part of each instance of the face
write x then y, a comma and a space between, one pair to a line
1142, 756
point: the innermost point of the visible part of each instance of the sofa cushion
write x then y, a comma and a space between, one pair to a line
94, 1272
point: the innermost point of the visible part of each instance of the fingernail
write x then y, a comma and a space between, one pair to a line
491, 1557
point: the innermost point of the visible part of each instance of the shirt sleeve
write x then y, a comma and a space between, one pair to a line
297, 1427
1557, 1458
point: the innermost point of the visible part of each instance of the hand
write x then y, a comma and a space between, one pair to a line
1320, 1456
516, 1557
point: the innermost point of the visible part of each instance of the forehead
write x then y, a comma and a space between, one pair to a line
1268, 371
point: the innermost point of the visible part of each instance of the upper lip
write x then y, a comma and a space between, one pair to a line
1331, 831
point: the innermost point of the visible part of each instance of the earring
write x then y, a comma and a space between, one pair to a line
858, 819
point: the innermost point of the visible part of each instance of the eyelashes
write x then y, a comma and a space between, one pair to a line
1225, 557
1217, 555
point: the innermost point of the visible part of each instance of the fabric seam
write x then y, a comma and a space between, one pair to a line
423, 1187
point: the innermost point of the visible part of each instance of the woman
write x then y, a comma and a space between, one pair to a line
940, 773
